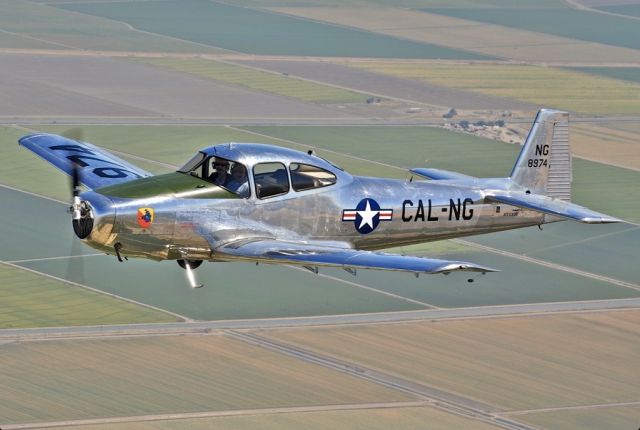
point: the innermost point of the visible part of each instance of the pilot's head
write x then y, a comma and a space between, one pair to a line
221, 165
239, 172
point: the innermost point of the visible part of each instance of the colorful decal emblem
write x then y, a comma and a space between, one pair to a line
145, 217
367, 215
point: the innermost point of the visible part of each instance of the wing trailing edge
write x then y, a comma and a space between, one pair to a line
551, 206
310, 254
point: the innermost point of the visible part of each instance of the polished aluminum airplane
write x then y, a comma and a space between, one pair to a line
263, 203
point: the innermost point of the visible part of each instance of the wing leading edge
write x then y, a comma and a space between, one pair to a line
98, 168
310, 254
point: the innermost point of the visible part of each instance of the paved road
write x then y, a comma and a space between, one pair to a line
271, 323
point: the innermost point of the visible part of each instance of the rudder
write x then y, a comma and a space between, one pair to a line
544, 164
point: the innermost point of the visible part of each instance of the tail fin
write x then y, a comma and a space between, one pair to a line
544, 164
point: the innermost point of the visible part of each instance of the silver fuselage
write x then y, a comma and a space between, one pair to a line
423, 211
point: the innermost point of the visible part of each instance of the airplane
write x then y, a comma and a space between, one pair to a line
268, 204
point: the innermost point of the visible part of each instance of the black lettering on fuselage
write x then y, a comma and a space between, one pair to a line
467, 214
454, 209
429, 217
542, 149
406, 217
420, 211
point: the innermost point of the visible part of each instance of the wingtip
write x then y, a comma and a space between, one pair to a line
466, 267
600, 220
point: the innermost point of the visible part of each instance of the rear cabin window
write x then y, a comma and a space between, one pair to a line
308, 177
271, 180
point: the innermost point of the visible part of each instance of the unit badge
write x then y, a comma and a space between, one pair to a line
145, 217
367, 215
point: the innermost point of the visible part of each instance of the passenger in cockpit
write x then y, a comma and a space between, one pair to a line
239, 183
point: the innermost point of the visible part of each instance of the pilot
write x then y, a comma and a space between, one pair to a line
239, 183
221, 174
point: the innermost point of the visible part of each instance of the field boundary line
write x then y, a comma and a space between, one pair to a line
49, 42
61, 257
587, 239
42, 196
96, 290
213, 414
571, 408
550, 264
375, 290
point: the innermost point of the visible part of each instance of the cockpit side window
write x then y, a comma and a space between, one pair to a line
271, 180
224, 173
308, 177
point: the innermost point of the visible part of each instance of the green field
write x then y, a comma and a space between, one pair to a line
544, 86
30, 300
631, 74
259, 80
369, 419
61, 27
163, 374
565, 22
259, 32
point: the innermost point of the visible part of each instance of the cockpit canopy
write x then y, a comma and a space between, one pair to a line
274, 171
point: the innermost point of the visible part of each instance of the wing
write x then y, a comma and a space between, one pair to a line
551, 206
310, 254
439, 174
98, 168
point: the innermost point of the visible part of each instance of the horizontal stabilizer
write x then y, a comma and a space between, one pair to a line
551, 206
438, 174
310, 254
98, 168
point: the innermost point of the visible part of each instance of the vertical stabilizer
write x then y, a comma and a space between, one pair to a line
544, 164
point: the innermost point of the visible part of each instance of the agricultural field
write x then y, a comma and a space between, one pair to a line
513, 363
564, 22
54, 381
466, 34
544, 86
31, 300
96, 88
613, 417
259, 80
631, 74
399, 418
614, 143
260, 32
56, 28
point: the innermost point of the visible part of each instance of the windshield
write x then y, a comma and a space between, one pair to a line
193, 163
224, 173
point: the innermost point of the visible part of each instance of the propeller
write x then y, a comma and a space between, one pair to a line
81, 220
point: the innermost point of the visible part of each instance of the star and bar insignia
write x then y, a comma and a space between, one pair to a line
367, 215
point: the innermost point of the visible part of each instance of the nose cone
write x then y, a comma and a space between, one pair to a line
97, 231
